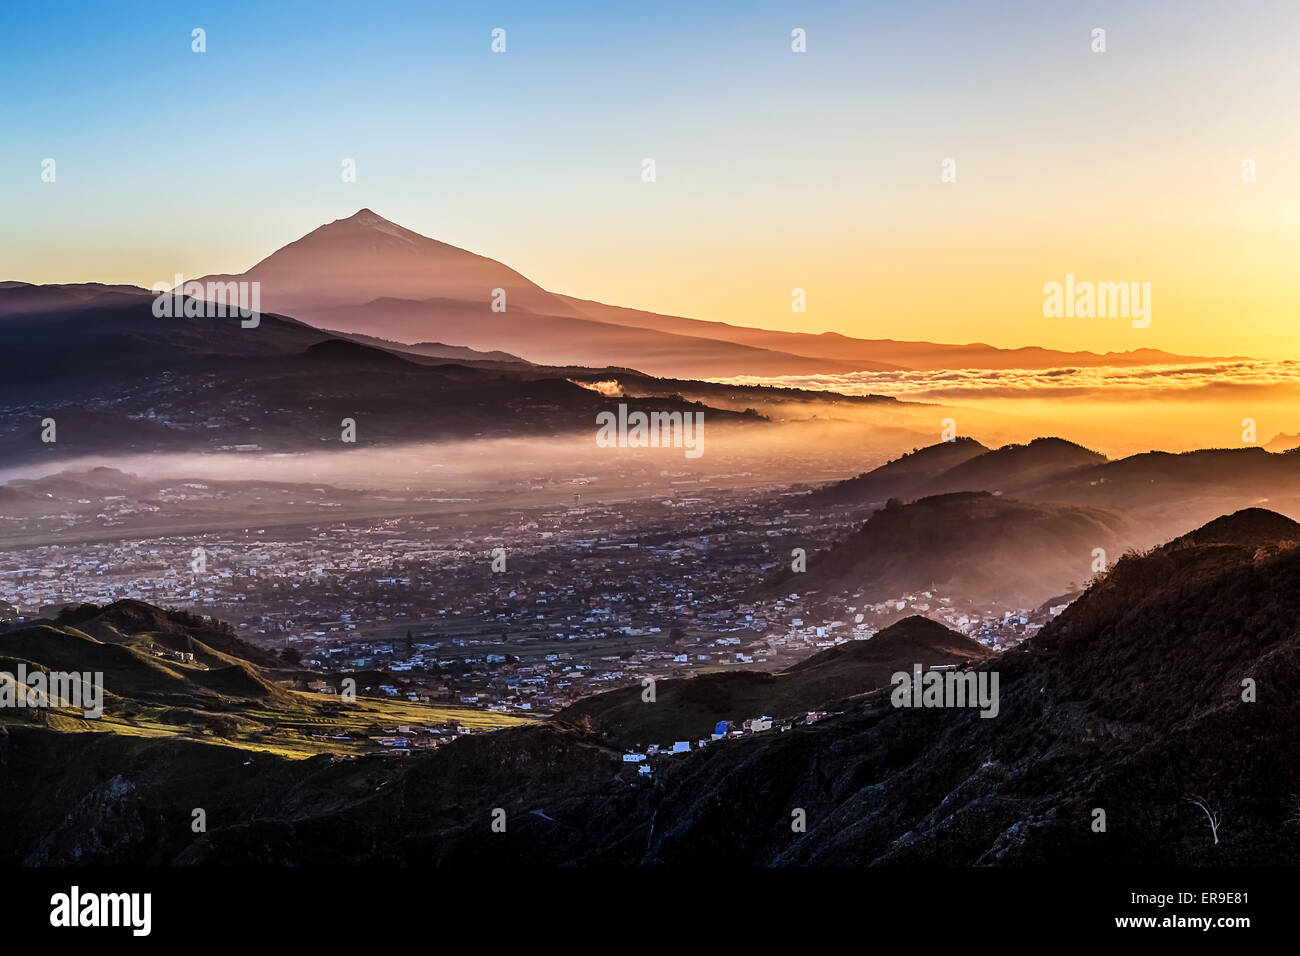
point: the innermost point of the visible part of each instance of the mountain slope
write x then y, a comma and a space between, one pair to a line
1130, 702
1161, 493
27, 298
906, 354
117, 379
138, 663
1169, 493
900, 477
1012, 467
971, 547
551, 339
367, 275
690, 708
333, 264
963, 465
913, 639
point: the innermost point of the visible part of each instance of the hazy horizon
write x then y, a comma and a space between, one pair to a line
1123, 165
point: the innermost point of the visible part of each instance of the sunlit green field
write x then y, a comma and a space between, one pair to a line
286, 732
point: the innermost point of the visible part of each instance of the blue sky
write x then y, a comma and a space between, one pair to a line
774, 170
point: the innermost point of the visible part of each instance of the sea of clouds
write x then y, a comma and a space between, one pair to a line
1210, 381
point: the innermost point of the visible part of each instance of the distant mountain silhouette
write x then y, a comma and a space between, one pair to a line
366, 255
1282, 442
294, 384
25, 297
438, 350
368, 275
906, 354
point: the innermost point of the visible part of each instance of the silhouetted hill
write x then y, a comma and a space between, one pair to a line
367, 275
1238, 466
1248, 528
84, 346
969, 547
903, 354
25, 297
899, 477
203, 384
963, 464
1170, 493
356, 355
1282, 442
690, 708
438, 350
1160, 494
1012, 467
913, 639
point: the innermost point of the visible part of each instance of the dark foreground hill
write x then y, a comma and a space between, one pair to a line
187, 706
1171, 678
690, 708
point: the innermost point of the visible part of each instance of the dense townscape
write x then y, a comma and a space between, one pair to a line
523, 611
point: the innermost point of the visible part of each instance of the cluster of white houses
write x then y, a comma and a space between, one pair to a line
723, 730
